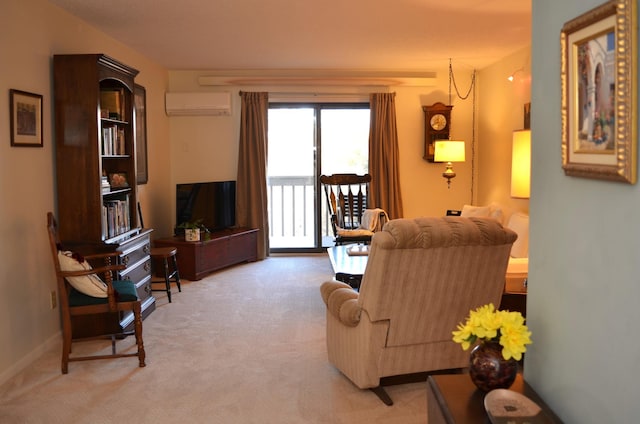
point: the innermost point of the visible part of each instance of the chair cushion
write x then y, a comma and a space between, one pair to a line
353, 233
90, 285
125, 292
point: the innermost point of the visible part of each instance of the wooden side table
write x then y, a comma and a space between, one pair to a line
514, 297
453, 398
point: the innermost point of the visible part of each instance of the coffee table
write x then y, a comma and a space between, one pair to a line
348, 268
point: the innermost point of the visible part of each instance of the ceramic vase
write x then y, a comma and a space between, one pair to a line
489, 370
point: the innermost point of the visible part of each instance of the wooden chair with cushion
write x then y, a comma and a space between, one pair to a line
347, 200
422, 278
83, 293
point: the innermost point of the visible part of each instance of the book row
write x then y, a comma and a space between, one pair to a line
113, 141
115, 217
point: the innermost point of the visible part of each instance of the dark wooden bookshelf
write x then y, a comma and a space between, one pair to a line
87, 213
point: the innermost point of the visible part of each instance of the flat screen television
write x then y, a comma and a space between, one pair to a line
214, 203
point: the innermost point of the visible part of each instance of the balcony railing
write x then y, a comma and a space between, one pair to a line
292, 204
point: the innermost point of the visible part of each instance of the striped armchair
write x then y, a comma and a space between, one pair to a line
423, 276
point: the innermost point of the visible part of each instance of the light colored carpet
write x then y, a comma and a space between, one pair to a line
244, 345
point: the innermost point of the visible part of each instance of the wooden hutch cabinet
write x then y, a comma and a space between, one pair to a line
96, 169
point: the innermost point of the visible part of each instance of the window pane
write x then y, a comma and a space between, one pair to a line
290, 168
345, 141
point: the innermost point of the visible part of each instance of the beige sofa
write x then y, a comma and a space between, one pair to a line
423, 276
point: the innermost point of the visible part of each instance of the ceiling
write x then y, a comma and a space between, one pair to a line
372, 35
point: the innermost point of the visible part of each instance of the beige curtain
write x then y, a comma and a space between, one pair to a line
384, 190
251, 186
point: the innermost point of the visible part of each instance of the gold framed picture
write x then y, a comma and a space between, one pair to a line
599, 84
26, 118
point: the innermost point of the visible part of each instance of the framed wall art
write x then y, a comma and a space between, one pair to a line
140, 103
26, 118
599, 81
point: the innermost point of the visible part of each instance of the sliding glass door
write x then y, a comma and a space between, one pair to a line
306, 141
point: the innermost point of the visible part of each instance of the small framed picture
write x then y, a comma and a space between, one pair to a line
599, 85
118, 180
26, 118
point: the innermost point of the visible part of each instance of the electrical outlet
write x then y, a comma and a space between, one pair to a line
53, 300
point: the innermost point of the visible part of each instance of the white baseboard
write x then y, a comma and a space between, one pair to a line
12, 371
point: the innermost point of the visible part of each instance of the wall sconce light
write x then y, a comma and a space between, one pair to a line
521, 164
513, 74
449, 151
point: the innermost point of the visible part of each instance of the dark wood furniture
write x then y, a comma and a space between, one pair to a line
96, 169
196, 259
437, 126
347, 196
515, 293
165, 269
453, 398
73, 304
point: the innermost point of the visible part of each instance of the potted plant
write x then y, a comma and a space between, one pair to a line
194, 230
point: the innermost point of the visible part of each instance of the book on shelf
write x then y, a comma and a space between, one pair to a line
104, 183
115, 217
112, 103
113, 141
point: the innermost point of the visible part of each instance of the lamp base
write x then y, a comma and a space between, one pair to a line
449, 174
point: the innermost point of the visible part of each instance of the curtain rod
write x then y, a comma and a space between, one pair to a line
312, 93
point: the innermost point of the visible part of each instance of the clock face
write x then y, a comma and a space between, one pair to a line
438, 121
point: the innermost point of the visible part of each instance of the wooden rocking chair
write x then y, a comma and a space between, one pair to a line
347, 199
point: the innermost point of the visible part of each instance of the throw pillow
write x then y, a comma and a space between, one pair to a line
519, 222
475, 211
491, 211
91, 284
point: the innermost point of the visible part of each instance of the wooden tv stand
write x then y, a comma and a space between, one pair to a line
196, 259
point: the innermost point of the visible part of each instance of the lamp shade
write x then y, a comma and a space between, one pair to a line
521, 164
449, 151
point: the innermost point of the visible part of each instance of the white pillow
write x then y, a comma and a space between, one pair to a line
519, 222
476, 211
495, 212
91, 285
491, 211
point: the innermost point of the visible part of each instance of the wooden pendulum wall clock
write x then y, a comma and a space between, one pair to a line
437, 119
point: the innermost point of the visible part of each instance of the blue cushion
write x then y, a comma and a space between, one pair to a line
125, 292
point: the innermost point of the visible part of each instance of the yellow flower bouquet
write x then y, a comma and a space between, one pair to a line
488, 324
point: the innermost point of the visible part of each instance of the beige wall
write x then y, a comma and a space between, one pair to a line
33, 31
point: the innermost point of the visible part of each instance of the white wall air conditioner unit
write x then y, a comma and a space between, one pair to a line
198, 103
